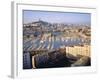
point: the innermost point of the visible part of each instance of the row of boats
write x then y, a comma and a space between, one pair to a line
48, 42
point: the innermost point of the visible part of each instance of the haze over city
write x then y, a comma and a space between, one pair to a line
56, 17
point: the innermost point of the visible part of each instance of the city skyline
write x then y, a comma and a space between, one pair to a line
56, 17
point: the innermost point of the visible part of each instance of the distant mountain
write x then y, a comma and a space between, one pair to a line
41, 22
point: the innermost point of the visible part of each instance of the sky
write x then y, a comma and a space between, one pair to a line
56, 17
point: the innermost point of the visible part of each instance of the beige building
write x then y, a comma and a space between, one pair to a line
79, 50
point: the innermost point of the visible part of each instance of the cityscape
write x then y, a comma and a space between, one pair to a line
56, 39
